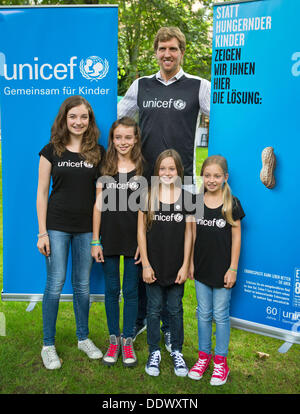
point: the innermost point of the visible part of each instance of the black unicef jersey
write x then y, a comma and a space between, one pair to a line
165, 240
71, 202
121, 202
168, 118
212, 252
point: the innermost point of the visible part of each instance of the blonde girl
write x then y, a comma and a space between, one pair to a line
215, 263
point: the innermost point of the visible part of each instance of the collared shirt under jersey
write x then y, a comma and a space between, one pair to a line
128, 105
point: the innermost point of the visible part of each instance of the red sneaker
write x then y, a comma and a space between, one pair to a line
221, 371
111, 356
129, 357
200, 367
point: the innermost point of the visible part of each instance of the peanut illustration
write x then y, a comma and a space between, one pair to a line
268, 167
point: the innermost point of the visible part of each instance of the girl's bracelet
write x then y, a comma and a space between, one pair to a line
146, 267
96, 243
42, 235
234, 270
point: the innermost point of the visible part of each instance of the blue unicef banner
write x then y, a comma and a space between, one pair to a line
46, 55
255, 125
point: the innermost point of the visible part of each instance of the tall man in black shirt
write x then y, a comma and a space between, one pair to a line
168, 105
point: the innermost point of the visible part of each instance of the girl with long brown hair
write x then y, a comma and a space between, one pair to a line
165, 242
72, 160
115, 235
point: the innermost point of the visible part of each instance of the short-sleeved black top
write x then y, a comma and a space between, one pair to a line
212, 251
71, 202
121, 202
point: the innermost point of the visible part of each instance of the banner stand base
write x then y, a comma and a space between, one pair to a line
289, 337
38, 297
285, 347
31, 306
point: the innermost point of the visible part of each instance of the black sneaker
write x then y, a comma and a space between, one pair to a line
180, 368
152, 366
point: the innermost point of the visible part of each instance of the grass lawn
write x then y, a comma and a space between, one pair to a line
22, 371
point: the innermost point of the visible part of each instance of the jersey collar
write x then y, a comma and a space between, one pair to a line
173, 79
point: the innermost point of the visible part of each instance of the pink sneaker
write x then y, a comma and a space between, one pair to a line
200, 367
221, 371
111, 356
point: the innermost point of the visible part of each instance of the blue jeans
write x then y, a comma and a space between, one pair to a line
142, 306
156, 295
56, 274
111, 267
213, 303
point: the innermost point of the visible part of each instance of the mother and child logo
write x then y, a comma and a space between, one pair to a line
94, 68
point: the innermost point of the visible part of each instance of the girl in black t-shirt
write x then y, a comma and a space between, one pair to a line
116, 222
165, 242
216, 257
72, 160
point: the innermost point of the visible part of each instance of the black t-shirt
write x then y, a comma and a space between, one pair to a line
212, 252
70, 205
121, 202
165, 240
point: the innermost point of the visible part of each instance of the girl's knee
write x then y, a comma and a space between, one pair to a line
130, 295
81, 288
204, 314
112, 291
54, 288
221, 316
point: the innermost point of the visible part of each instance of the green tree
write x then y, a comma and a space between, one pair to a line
138, 24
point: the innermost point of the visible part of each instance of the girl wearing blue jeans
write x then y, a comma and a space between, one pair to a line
115, 221
165, 242
214, 268
72, 160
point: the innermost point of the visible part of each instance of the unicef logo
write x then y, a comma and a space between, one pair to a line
94, 68
87, 164
221, 223
178, 217
133, 185
179, 104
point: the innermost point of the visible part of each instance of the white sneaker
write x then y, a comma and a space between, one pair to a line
90, 349
50, 357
